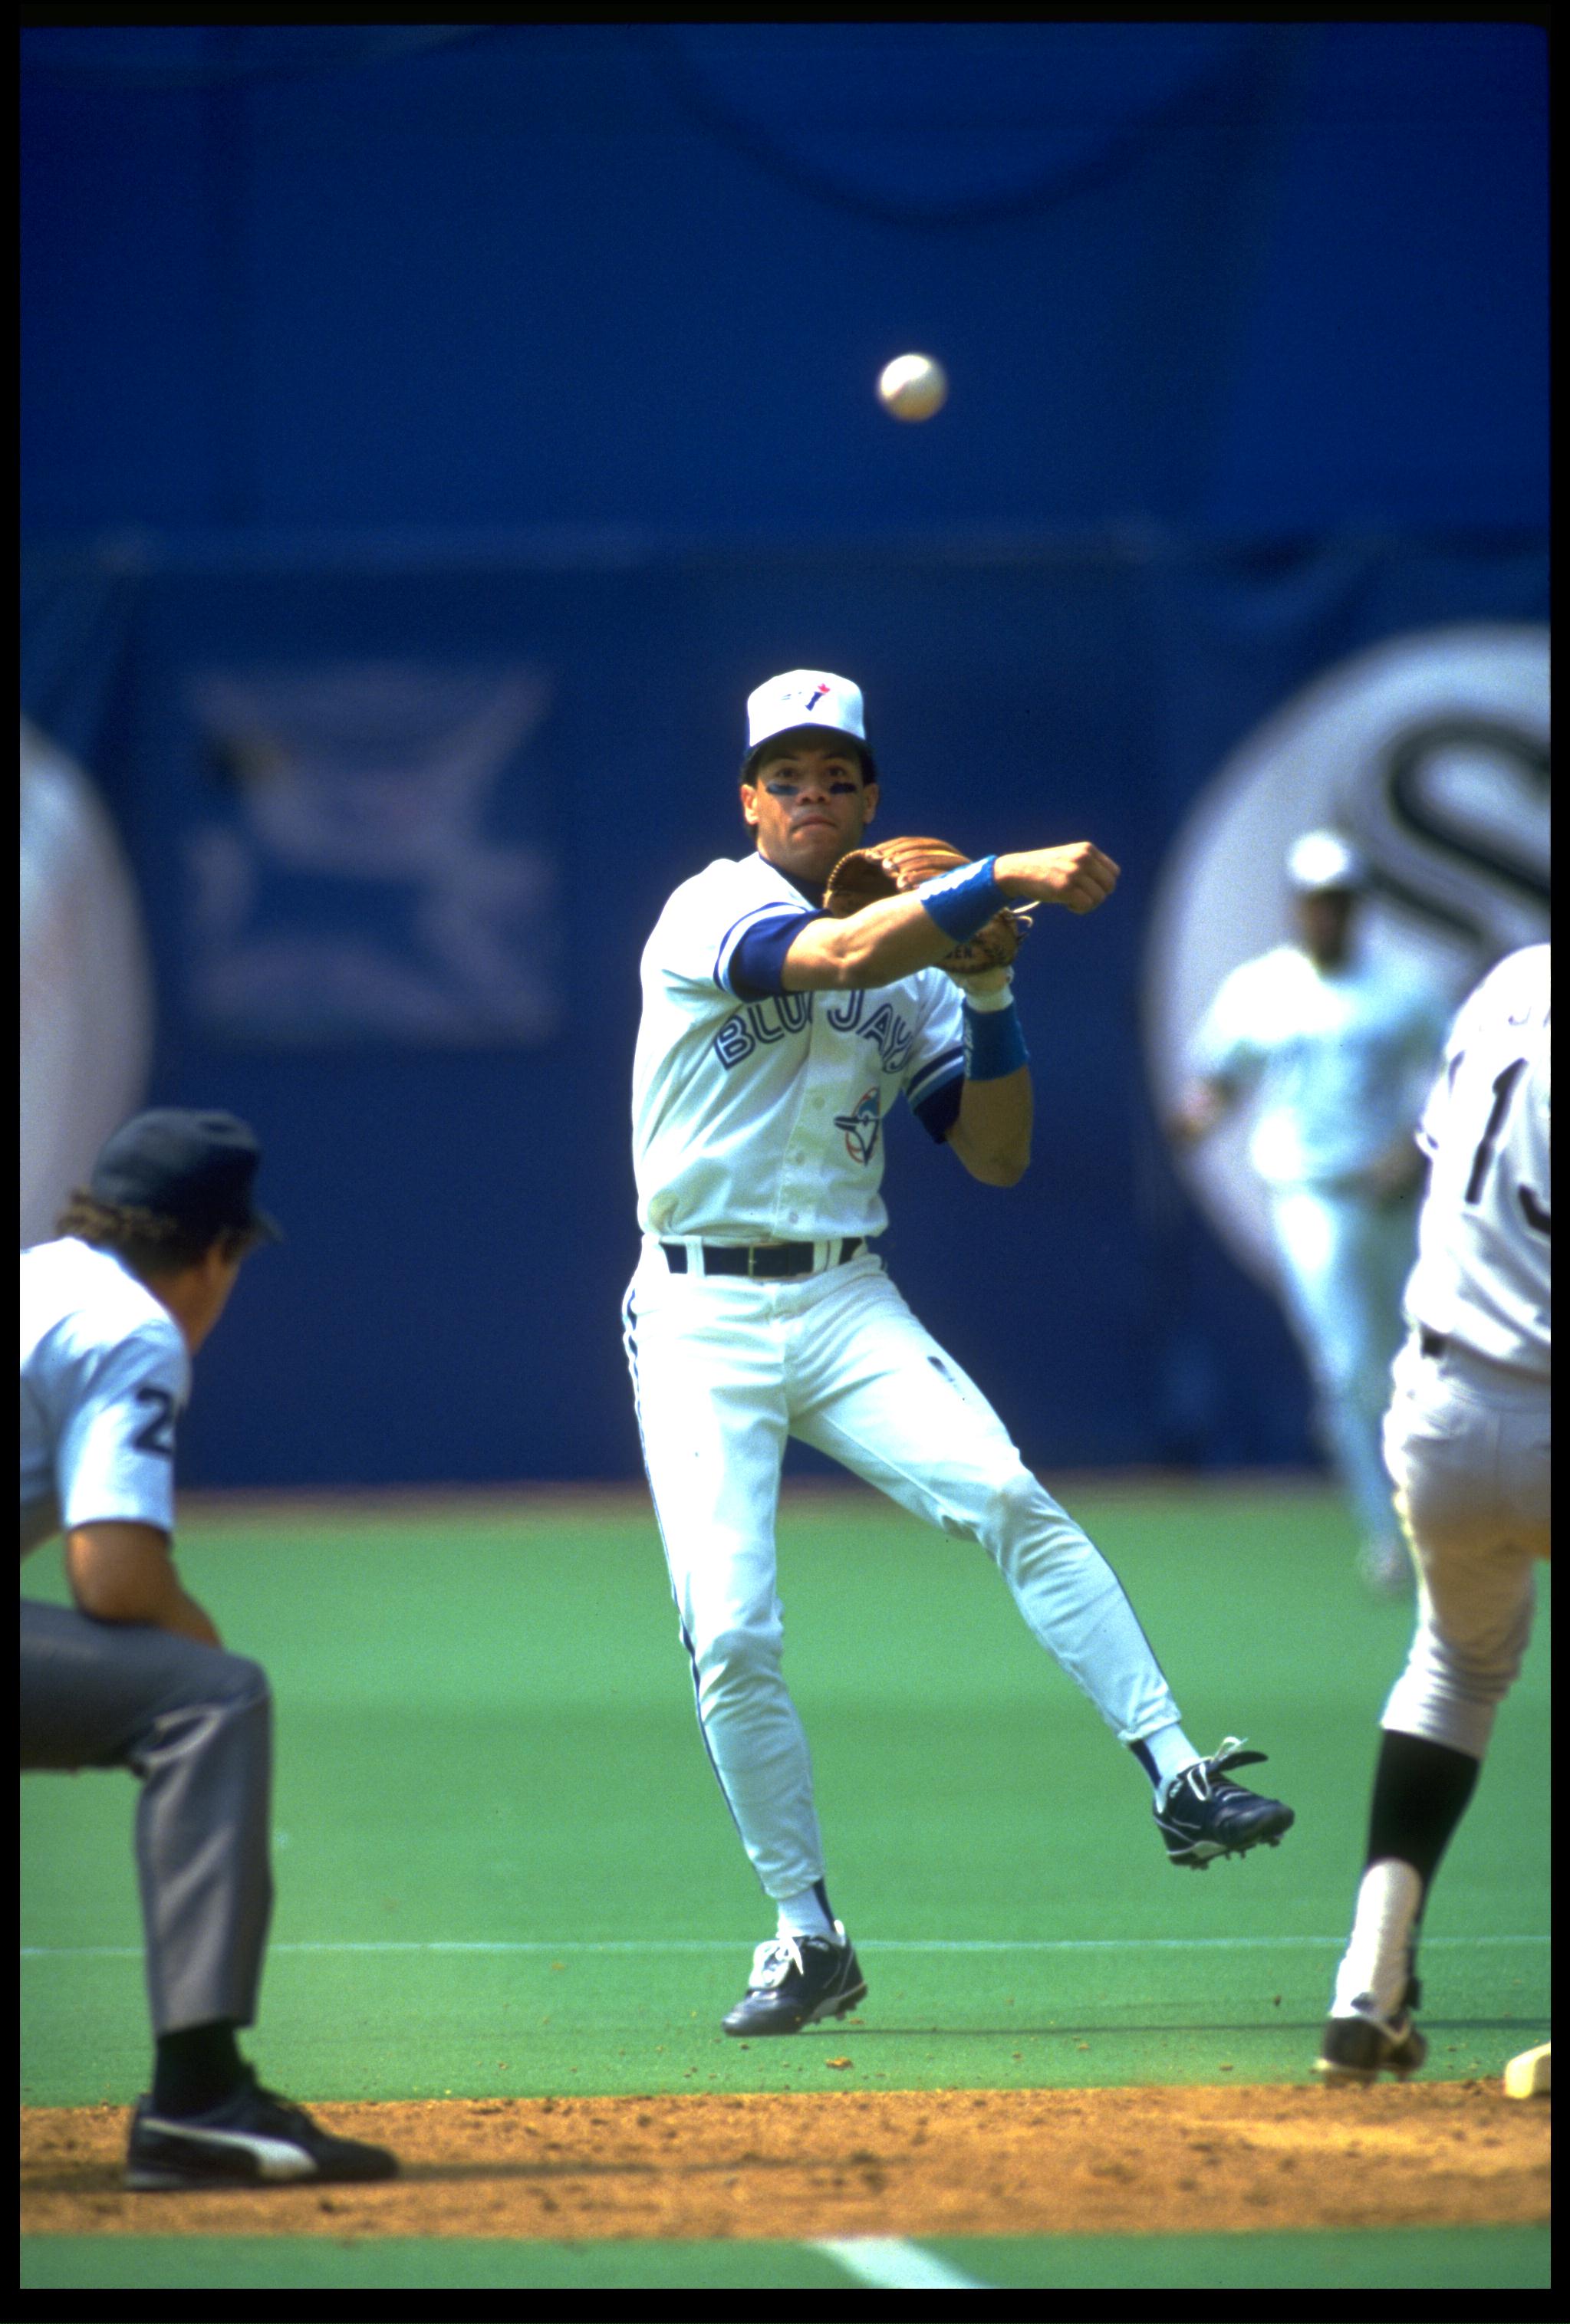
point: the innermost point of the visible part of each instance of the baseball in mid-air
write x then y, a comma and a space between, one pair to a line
913, 387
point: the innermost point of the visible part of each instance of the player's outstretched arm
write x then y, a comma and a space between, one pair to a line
880, 944
896, 936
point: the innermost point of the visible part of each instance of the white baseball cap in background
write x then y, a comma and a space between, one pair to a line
1323, 860
804, 697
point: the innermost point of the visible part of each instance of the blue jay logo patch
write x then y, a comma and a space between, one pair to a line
861, 1127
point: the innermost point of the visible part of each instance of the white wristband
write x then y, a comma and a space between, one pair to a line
983, 1003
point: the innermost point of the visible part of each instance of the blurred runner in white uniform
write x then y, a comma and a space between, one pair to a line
1335, 1050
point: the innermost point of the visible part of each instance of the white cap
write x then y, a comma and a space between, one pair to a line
1323, 859
804, 697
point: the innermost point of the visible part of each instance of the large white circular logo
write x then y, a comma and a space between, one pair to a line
87, 996
1431, 750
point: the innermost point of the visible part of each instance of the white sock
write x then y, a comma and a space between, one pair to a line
1376, 1962
1172, 1751
802, 1915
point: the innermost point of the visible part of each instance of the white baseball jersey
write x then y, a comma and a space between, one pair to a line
761, 1121
1484, 1252
104, 1372
1338, 1060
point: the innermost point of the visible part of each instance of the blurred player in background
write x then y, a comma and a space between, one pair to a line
1467, 1440
775, 1039
1336, 1048
133, 1675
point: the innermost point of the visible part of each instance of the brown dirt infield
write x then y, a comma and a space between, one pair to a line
917, 2163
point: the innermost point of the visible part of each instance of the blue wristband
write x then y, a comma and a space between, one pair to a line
993, 1043
964, 900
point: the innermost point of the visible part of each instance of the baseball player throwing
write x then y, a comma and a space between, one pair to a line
1337, 1049
133, 1675
1467, 1442
775, 1037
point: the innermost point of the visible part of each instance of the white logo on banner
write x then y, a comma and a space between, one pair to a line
349, 880
1431, 750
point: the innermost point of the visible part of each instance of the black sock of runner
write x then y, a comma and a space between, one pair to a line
1420, 1793
197, 2068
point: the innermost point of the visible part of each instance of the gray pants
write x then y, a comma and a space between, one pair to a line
195, 1726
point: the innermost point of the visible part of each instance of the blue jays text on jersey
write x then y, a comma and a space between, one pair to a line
758, 1119
781, 1014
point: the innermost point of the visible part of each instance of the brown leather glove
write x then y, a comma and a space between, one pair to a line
893, 868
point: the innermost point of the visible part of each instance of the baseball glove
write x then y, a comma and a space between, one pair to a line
892, 868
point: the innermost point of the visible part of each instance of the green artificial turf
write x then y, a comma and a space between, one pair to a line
1397, 2258
503, 1865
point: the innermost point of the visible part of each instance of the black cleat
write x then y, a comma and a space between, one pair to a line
254, 2139
1361, 2048
1202, 1816
798, 1981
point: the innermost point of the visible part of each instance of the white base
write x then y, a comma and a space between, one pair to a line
1527, 2076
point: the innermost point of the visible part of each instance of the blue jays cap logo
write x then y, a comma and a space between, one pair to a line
804, 697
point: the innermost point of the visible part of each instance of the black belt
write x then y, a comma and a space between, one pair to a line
1432, 1343
763, 1261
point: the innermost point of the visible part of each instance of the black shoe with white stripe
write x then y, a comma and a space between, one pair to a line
798, 1981
1201, 1816
254, 2139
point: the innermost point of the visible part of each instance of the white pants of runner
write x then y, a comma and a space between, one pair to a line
1343, 1260
724, 1370
1467, 1442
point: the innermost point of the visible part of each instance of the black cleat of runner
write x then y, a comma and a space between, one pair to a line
1360, 2049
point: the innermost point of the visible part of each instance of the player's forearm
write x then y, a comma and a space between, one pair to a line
124, 1573
887, 940
992, 1135
183, 1615
170, 1608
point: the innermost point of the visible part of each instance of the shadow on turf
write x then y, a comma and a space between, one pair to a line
98, 2178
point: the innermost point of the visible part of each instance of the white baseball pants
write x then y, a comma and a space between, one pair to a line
1467, 1442
1344, 1261
724, 1370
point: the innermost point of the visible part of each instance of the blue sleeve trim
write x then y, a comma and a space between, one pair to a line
938, 1111
920, 1084
756, 964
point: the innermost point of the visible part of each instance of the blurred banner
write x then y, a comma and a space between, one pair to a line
345, 882
401, 829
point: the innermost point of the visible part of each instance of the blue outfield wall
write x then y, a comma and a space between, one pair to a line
431, 433
456, 1181
1266, 277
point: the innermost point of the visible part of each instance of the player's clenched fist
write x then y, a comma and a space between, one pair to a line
1078, 876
